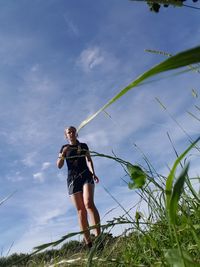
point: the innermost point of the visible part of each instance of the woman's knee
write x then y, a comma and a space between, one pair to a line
82, 212
89, 205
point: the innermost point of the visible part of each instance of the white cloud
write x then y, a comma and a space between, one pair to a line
45, 165
98, 57
90, 58
39, 176
29, 159
16, 177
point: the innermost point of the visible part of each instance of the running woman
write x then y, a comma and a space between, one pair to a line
80, 181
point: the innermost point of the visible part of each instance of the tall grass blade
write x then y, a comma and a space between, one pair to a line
103, 227
55, 243
175, 259
192, 115
176, 194
179, 125
170, 178
194, 93
96, 154
6, 198
120, 205
194, 233
194, 68
182, 59
192, 190
176, 153
158, 52
136, 174
197, 107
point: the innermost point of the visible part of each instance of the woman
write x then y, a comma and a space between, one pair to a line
81, 178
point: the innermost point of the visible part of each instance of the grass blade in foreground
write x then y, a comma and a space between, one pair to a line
176, 194
175, 259
182, 59
170, 178
57, 242
137, 175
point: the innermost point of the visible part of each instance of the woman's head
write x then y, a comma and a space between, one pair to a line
71, 134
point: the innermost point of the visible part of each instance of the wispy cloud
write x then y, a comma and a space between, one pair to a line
90, 58
45, 165
15, 177
39, 176
72, 28
29, 159
44, 214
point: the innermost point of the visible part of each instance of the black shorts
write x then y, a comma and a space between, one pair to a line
76, 182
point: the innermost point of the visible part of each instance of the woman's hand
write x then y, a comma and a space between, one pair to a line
61, 157
95, 178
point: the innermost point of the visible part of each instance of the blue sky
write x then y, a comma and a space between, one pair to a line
61, 61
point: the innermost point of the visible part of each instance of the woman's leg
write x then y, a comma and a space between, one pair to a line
88, 198
78, 202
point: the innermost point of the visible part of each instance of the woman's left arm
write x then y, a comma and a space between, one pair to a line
91, 166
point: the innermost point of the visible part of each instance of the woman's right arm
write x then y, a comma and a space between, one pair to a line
61, 157
60, 160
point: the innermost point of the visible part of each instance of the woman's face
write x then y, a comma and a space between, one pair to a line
71, 134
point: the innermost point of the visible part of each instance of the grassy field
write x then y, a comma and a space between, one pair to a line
170, 236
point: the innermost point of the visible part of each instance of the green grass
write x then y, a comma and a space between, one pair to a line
170, 236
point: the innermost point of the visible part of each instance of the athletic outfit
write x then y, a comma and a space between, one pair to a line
78, 171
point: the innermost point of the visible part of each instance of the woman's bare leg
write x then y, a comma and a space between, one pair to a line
78, 202
88, 198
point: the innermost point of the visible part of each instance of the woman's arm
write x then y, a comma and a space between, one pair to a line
61, 157
60, 160
91, 166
